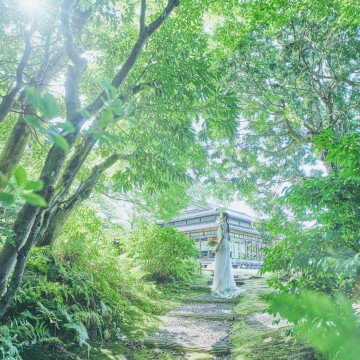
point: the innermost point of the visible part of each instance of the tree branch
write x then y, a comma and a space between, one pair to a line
142, 17
8, 99
134, 54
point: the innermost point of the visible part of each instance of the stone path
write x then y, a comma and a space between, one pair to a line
199, 328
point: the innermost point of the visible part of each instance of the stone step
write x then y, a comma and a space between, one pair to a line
217, 350
214, 300
238, 282
193, 335
203, 316
201, 288
216, 312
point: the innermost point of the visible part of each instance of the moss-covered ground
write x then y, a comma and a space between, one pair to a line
252, 340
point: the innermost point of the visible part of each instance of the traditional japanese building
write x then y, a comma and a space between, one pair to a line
201, 224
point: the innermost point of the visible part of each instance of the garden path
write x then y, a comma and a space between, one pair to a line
201, 328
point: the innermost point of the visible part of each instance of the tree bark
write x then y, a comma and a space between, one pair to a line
20, 260
61, 215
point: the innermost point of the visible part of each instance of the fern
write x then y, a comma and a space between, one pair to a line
81, 332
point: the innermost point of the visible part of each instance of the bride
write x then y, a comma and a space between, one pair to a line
223, 283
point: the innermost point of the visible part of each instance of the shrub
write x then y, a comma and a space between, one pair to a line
81, 292
164, 253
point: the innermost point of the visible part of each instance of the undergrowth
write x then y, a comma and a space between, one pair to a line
82, 293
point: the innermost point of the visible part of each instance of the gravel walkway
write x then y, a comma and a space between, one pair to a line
206, 310
201, 326
200, 329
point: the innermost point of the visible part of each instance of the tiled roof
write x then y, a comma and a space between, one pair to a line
212, 211
214, 225
194, 214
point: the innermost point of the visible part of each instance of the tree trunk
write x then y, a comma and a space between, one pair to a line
60, 216
13, 150
54, 162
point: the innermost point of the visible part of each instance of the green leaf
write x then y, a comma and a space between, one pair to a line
33, 96
110, 136
35, 199
60, 142
7, 232
117, 107
65, 126
84, 114
106, 118
128, 109
7, 198
34, 185
10, 240
20, 175
33, 122
49, 106
109, 89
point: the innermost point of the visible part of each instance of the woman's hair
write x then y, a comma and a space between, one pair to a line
226, 215
227, 218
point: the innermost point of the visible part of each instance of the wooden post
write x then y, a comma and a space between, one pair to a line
257, 251
246, 250
234, 247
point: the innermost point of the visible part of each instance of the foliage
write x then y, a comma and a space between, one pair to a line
292, 82
164, 253
319, 243
328, 324
141, 93
318, 249
81, 293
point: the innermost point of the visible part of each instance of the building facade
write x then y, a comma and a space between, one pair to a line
201, 224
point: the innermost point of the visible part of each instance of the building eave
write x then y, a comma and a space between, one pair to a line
212, 211
213, 226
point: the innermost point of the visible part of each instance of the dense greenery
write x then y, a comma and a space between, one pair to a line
128, 103
163, 104
84, 292
318, 250
162, 252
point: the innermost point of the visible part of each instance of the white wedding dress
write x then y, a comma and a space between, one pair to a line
224, 284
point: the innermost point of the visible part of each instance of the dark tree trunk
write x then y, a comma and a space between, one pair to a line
61, 215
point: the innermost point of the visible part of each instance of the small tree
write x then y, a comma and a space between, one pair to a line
164, 252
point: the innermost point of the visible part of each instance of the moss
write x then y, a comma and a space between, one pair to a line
254, 341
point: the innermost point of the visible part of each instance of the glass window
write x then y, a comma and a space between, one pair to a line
208, 218
193, 221
180, 223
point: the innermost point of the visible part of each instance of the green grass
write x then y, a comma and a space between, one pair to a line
253, 341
